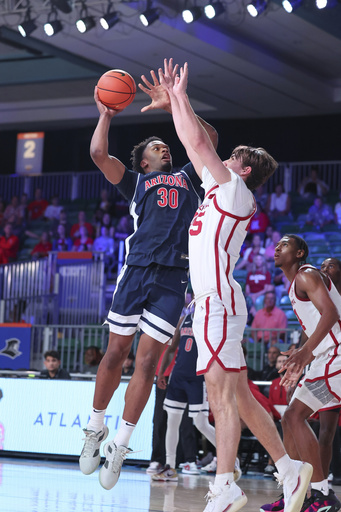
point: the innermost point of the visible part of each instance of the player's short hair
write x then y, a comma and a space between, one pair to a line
137, 153
335, 260
301, 245
263, 165
52, 353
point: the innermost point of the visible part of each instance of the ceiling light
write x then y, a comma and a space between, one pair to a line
256, 7
149, 16
190, 15
323, 4
214, 9
27, 27
291, 5
109, 20
53, 27
85, 24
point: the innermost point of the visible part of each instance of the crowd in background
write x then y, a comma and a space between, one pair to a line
32, 227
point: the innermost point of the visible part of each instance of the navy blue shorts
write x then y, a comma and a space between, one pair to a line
182, 391
149, 298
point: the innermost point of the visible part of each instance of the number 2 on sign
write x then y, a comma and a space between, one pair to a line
30, 147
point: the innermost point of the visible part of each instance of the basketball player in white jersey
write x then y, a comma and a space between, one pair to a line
216, 235
317, 305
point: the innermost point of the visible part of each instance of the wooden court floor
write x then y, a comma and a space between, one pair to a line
42, 486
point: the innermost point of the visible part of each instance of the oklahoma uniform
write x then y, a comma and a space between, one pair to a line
221, 222
320, 389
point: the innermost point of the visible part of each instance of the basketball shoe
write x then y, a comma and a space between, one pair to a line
111, 469
90, 457
211, 467
229, 497
167, 474
154, 467
295, 484
276, 506
190, 469
318, 501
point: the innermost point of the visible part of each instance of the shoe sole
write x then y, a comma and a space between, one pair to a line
98, 456
184, 471
101, 471
297, 500
165, 479
237, 504
237, 474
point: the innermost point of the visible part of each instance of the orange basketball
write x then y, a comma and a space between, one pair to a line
116, 89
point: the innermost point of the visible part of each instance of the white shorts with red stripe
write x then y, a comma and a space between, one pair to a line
320, 389
218, 335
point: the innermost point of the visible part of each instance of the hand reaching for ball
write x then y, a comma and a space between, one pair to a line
156, 92
171, 81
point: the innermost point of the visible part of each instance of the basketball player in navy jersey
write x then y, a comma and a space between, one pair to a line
151, 287
184, 387
317, 305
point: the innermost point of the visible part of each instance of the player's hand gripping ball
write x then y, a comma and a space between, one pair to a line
116, 89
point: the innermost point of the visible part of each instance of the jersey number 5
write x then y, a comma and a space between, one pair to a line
196, 225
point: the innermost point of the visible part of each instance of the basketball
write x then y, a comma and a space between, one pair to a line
116, 89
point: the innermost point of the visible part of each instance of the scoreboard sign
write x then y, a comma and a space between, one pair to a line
29, 153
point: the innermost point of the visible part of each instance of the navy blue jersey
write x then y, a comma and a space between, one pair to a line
162, 206
186, 359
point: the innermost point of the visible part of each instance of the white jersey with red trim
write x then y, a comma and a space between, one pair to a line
216, 234
309, 316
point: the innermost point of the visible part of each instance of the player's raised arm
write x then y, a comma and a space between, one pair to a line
112, 168
160, 98
190, 130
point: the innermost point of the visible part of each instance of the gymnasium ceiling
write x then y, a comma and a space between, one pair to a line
275, 65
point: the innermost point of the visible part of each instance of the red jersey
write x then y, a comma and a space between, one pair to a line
277, 393
42, 248
263, 400
37, 208
8, 248
88, 226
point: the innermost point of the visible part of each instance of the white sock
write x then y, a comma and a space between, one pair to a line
124, 433
321, 486
223, 479
172, 437
96, 421
283, 464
